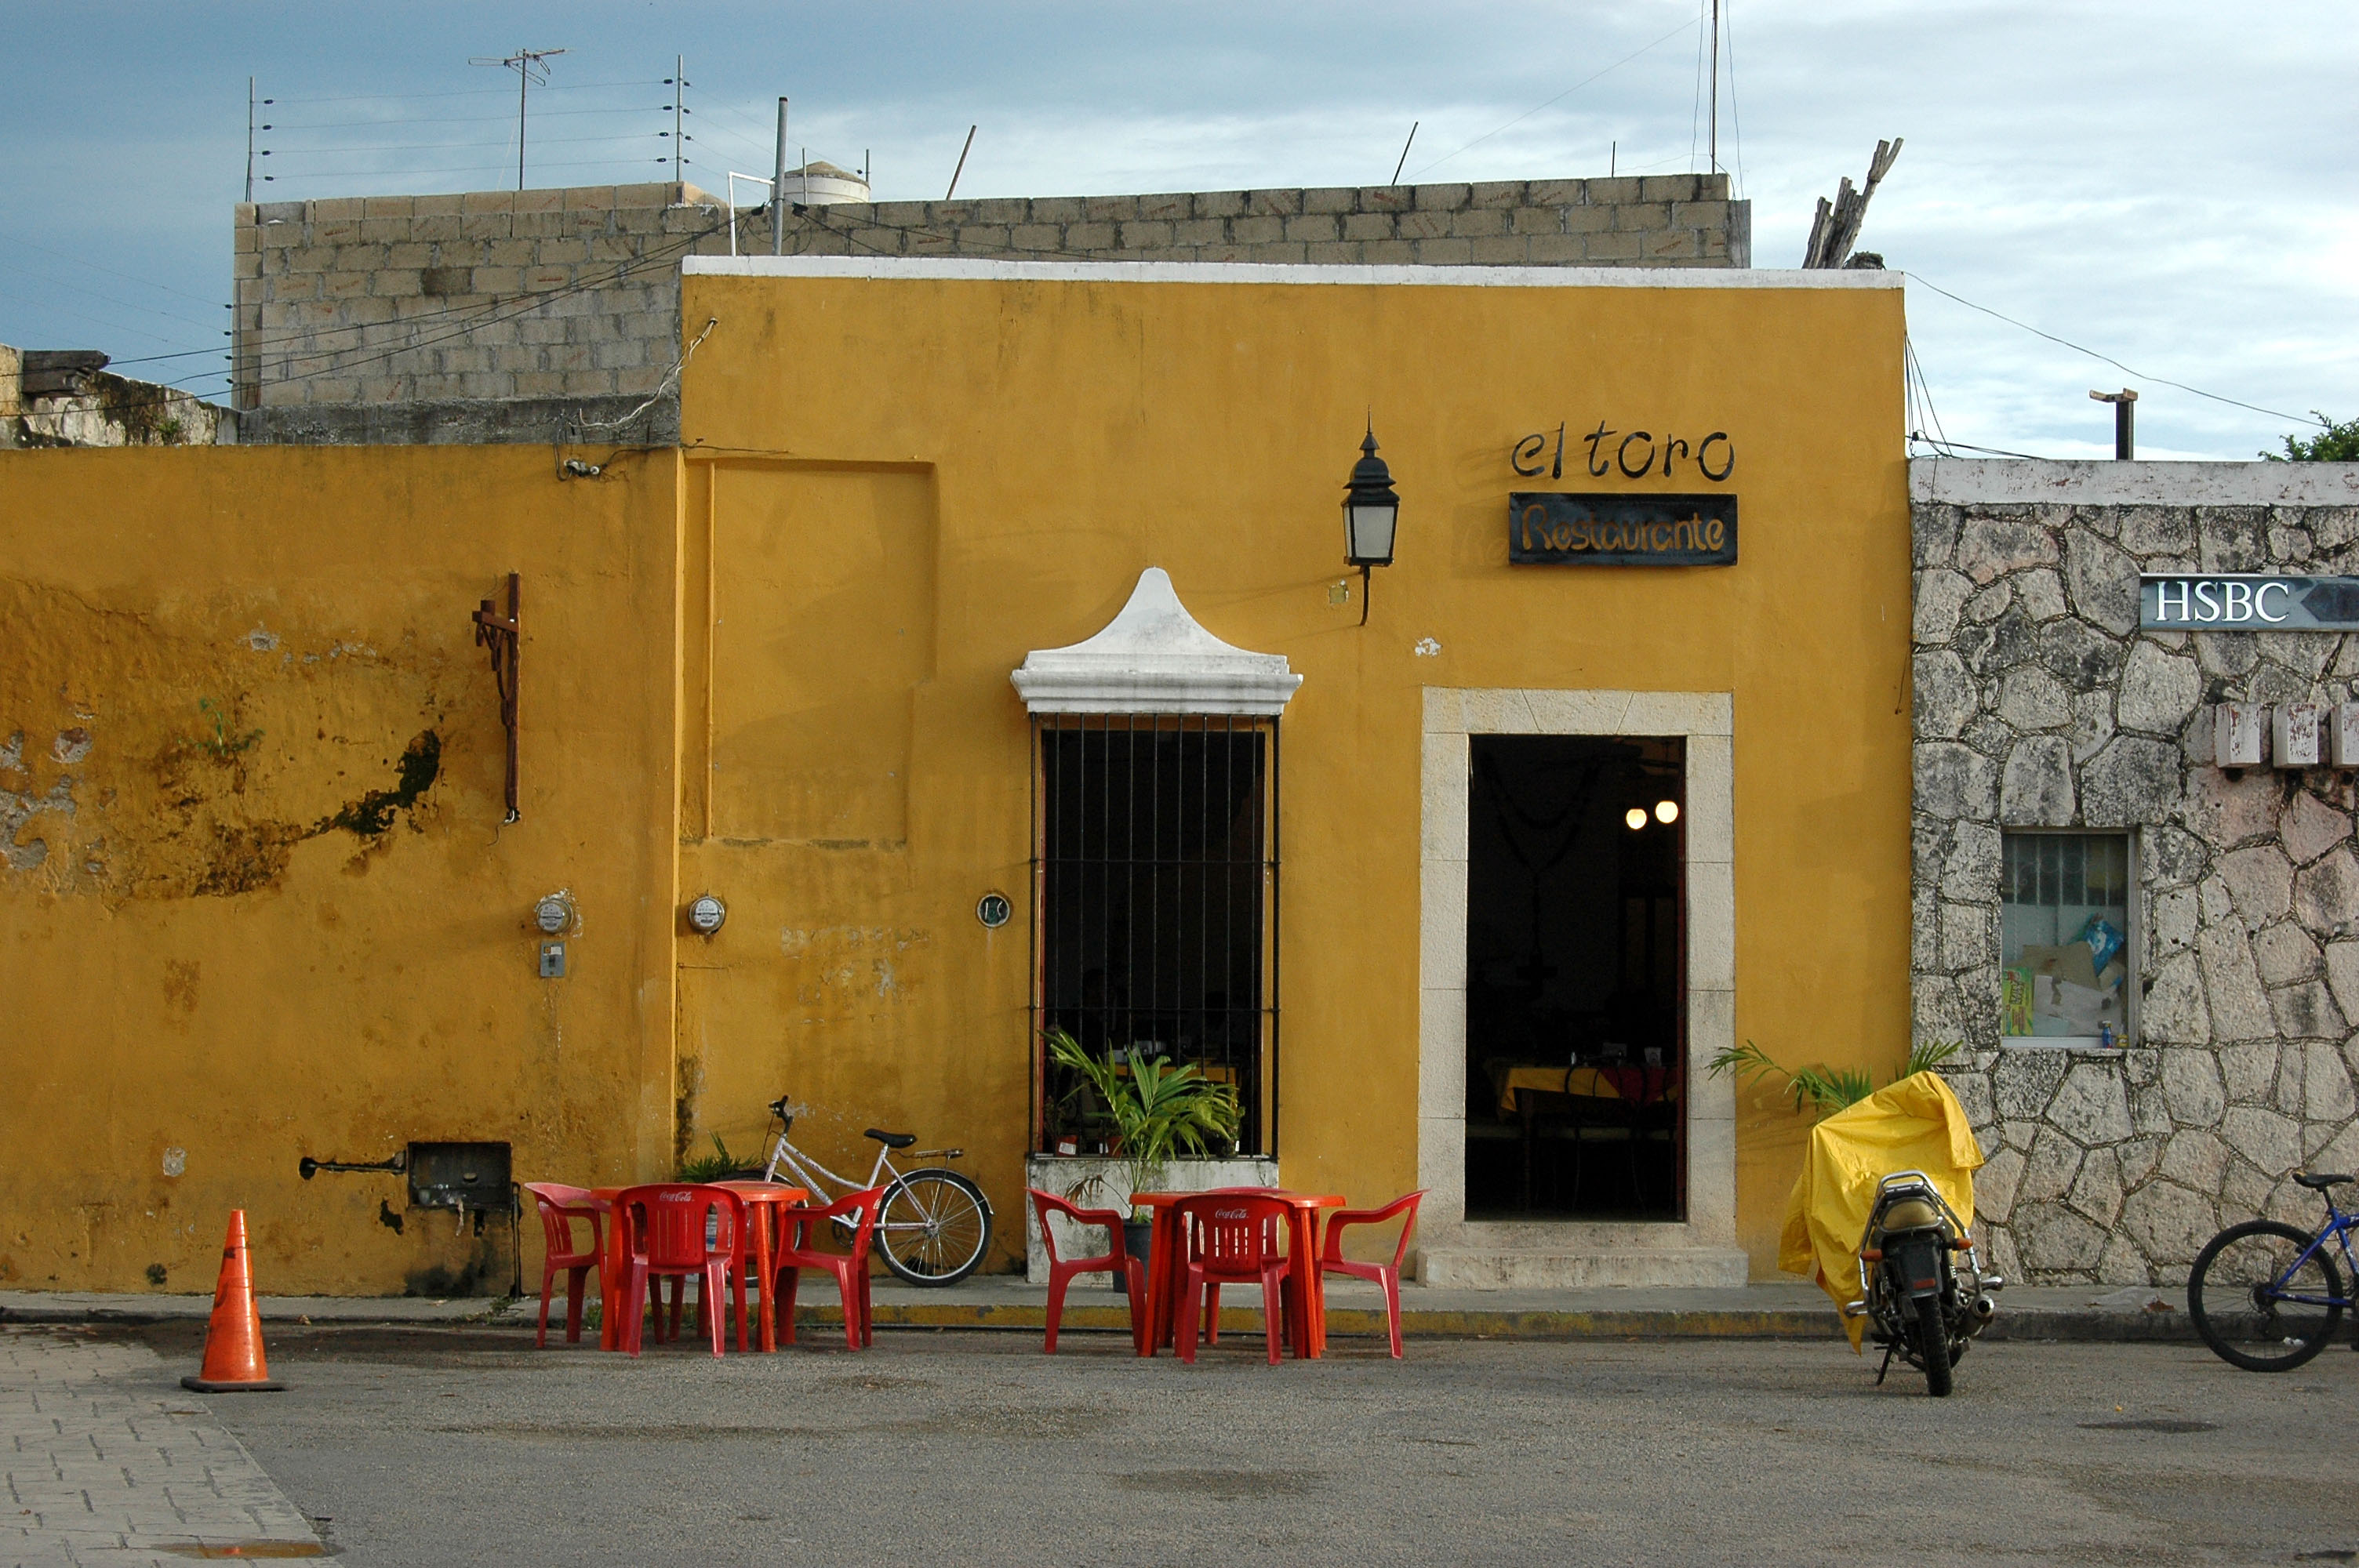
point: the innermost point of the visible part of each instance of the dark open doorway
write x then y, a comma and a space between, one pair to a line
1576, 979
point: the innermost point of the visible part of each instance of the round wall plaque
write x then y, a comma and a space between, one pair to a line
993, 909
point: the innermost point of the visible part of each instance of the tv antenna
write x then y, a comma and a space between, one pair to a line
526, 64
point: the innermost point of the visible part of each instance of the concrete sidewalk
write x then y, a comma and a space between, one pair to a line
1785, 1310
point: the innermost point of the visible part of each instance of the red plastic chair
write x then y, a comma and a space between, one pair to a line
559, 1206
795, 1253
667, 1226
1332, 1260
1233, 1239
1061, 1270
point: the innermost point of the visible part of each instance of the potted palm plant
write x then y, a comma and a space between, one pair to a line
1159, 1113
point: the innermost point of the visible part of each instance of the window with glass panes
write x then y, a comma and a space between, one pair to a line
2064, 908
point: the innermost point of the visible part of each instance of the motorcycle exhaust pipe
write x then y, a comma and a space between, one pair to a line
1985, 1309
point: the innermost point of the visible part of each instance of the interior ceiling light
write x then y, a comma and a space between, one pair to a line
1636, 817
1666, 812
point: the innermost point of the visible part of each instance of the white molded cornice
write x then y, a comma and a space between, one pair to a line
1154, 658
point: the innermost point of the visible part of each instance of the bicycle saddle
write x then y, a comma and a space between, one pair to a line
2318, 1184
893, 1140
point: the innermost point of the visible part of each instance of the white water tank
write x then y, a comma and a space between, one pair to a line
818, 184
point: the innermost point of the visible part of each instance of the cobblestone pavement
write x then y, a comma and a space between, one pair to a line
465, 1446
109, 1461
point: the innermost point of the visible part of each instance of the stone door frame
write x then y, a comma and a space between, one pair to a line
1706, 721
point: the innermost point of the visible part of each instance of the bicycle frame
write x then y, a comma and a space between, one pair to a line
828, 1186
2339, 1226
820, 1182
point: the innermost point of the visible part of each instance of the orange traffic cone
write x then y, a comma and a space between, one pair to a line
233, 1360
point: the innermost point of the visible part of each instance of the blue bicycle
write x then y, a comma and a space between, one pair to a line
2266, 1295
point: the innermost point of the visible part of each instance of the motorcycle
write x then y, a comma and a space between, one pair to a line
1920, 1285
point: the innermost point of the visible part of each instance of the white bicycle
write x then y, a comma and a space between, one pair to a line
933, 1225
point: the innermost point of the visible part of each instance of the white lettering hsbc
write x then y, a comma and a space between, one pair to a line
2218, 602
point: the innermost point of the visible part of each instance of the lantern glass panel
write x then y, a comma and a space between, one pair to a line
1371, 527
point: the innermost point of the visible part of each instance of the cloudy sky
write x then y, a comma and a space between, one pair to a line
2169, 184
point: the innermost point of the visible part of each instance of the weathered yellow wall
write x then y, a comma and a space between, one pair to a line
894, 490
212, 655
904, 484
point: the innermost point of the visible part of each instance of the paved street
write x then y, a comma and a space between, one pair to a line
464, 1445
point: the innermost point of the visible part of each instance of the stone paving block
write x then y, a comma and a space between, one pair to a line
89, 1445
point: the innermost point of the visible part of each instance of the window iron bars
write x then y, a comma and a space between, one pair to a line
1155, 904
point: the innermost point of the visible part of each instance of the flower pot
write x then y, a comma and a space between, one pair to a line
1136, 1234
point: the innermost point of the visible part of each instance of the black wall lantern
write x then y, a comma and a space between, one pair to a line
1371, 511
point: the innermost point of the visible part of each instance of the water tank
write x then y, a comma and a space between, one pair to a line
818, 184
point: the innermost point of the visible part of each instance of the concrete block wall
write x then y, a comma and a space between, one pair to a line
533, 315
1685, 219
393, 302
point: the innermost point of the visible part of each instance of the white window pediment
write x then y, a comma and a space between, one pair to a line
1154, 658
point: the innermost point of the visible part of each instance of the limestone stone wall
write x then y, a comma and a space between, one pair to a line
2040, 704
533, 315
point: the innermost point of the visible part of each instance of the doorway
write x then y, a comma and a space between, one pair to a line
1576, 985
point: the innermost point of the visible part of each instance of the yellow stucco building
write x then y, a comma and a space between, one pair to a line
1546, 813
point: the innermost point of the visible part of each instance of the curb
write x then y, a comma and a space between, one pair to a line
1348, 1322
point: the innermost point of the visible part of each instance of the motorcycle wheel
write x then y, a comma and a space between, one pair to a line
1933, 1345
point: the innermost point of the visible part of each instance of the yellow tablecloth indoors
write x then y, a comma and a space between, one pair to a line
1916, 1124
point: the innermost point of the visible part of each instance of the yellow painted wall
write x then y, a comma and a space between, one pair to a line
775, 667
212, 655
898, 487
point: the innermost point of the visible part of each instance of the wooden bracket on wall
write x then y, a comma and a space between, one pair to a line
499, 634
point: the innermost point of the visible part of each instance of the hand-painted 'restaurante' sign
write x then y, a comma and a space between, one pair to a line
2246, 601
1621, 530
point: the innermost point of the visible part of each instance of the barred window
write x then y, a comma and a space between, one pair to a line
2064, 903
1156, 882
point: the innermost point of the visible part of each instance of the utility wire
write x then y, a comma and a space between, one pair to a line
1737, 120
2133, 374
1568, 92
494, 312
468, 92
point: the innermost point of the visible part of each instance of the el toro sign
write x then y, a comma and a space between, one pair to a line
2246, 601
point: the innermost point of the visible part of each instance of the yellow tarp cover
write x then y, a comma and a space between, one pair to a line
1914, 1125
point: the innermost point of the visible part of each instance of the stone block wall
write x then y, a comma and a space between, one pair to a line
106, 411
533, 315
2039, 703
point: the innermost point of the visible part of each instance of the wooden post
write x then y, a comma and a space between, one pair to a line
501, 634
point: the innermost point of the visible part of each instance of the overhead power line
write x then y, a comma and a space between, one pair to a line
1559, 98
2108, 359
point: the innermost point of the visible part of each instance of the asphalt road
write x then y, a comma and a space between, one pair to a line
463, 1446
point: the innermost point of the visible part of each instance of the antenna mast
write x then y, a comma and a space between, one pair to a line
1716, 88
526, 64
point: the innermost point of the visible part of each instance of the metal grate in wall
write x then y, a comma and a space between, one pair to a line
1156, 887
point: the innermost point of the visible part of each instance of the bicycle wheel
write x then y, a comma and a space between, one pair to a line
933, 1228
2237, 1296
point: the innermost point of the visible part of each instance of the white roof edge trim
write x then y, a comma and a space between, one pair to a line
976, 271
1154, 658
2103, 481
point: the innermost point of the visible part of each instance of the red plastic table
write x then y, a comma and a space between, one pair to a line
756, 1195
1305, 1298
614, 1262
